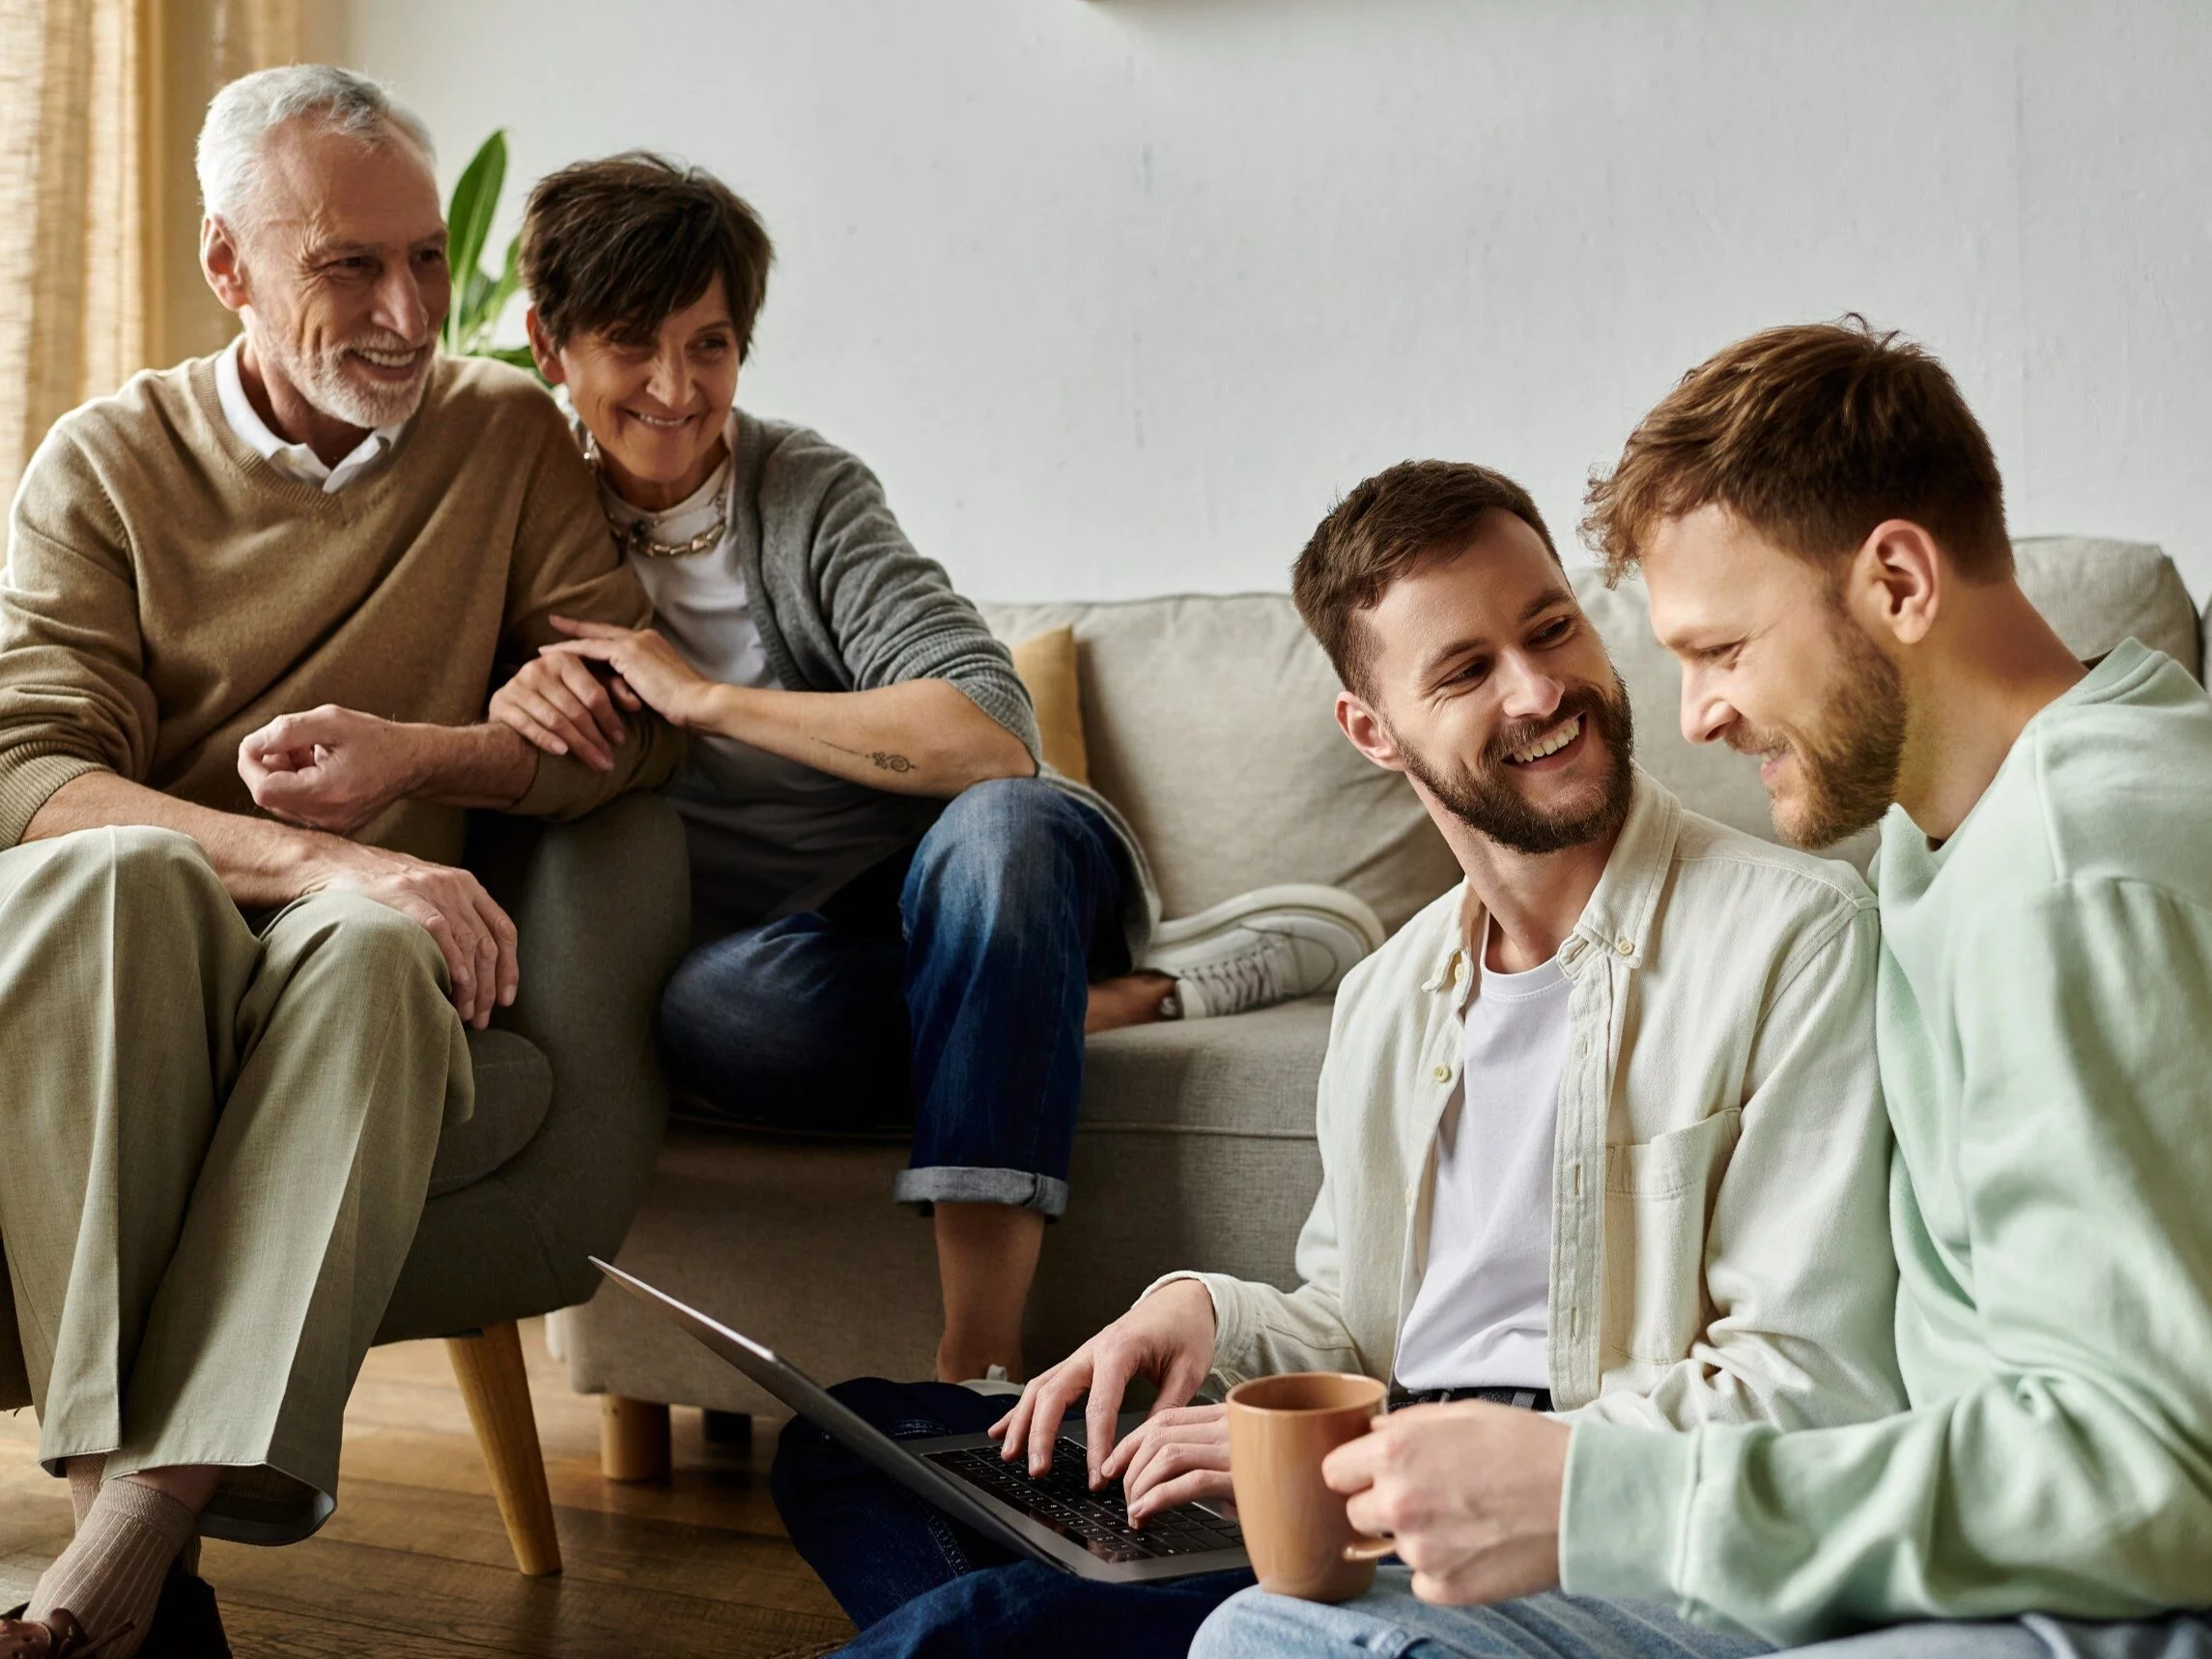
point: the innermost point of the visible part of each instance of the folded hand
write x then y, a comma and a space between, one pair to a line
329, 768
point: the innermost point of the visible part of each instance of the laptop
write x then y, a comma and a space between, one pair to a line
1058, 1519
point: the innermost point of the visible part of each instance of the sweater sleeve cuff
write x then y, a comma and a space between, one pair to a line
1003, 699
28, 784
1621, 1520
562, 788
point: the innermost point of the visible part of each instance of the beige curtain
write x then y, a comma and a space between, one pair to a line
100, 104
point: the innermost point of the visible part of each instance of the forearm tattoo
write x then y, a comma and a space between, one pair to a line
884, 760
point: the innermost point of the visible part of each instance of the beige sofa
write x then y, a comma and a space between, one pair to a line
1208, 723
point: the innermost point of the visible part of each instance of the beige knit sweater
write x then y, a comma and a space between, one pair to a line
168, 592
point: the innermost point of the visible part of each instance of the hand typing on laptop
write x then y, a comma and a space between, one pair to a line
1180, 1453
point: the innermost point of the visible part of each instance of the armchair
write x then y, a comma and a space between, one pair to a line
568, 1113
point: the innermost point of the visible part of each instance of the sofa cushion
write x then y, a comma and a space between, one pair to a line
1208, 723
514, 1087
2098, 592
1249, 1074
1194, 1145
1048, 666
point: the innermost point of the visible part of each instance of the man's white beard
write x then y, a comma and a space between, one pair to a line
322, 380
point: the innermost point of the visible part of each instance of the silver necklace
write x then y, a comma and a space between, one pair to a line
634, 537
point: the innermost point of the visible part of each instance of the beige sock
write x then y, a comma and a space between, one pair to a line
111, 1575
84, 1484
85, 1475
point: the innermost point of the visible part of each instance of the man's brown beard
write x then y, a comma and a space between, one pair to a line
1850, 763
1485, 798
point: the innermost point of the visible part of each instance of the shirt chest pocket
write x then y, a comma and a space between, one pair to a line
1658, 1204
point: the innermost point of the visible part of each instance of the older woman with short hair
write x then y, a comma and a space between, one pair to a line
899, 914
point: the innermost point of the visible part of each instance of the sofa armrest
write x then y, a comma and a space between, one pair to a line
602, 907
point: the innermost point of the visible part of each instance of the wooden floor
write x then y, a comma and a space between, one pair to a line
417, 1563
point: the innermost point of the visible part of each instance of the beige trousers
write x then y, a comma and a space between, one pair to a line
216, 1143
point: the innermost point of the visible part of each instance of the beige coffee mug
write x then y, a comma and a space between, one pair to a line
1280, 1429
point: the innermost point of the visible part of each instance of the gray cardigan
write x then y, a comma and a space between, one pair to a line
844, 603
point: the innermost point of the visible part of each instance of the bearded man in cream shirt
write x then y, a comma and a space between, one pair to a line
1601, 1129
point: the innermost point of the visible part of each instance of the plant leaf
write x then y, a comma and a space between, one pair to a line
468, 305
497, 294
467, 223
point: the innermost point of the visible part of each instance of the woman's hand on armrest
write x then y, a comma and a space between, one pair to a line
651, 669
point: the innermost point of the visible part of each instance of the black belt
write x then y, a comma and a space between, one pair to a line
1525, 1399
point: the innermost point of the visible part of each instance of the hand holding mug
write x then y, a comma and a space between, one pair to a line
1469, 1492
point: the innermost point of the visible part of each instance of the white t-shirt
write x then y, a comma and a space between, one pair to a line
700, 597
1482, 1316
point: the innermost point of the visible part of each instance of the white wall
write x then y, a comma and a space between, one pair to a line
1117, 295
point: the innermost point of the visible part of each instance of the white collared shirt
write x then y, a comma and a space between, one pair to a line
296, 460
1719, 1239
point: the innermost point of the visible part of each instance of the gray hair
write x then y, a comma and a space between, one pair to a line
244, 113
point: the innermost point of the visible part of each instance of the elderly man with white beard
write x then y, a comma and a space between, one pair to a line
238, 957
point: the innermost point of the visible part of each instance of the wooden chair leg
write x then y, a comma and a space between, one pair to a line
498, 1391
632, 1438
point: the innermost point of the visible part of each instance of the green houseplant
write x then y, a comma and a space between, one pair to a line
479, 297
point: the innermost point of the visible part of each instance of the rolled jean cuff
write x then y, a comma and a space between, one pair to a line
957, 1183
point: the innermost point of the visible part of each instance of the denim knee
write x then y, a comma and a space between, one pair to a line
794, 996
1011, 846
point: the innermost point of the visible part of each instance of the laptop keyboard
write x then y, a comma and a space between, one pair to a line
1099, 1520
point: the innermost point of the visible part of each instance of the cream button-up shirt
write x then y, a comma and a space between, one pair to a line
1719, 1241
294, 459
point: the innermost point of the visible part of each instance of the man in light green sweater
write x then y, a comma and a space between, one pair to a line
1821, 524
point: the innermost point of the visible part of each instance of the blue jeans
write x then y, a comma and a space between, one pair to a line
945, 988
1389, 1624
922, 1585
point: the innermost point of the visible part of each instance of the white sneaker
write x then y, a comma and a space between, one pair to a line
1260, 948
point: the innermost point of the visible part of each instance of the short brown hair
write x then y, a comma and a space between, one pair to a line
617, 247
1812, 435
1387, 526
